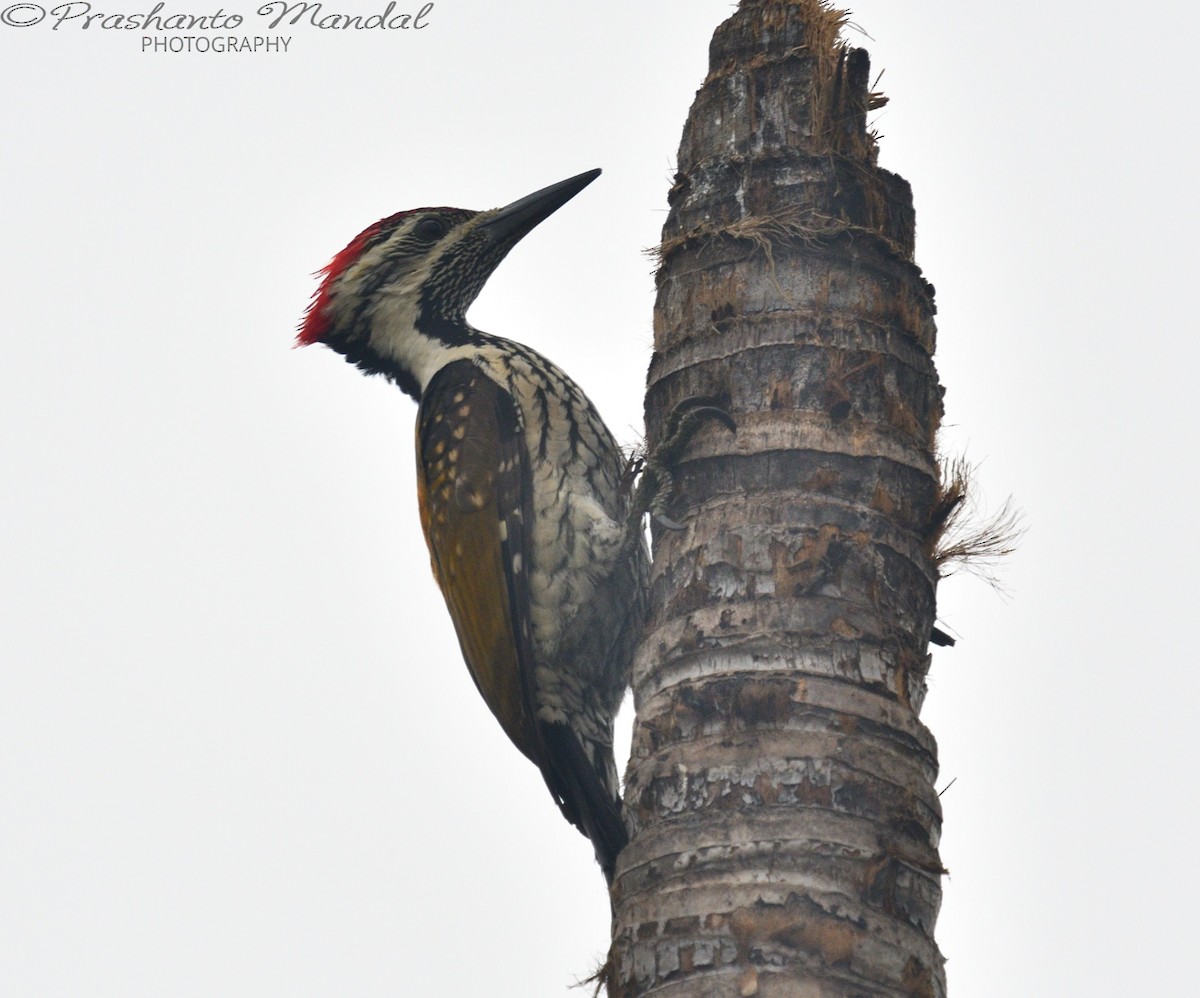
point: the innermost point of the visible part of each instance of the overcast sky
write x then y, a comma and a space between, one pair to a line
239, 753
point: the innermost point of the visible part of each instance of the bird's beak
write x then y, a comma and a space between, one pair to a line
512, 222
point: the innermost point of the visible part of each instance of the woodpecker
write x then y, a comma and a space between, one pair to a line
522, 490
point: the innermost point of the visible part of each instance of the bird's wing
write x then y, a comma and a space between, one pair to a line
472, 486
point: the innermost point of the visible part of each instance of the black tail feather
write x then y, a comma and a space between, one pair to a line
583, 795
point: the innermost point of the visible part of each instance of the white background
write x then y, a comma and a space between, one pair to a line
239, 753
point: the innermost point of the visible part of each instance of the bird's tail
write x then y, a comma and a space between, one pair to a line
583, 780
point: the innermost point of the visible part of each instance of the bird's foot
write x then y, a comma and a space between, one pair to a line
656, 485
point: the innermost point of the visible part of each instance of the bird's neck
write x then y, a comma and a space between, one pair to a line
412, 354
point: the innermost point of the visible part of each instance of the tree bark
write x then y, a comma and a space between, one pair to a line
781, 784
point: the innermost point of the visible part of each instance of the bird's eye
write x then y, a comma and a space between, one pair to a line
430, 228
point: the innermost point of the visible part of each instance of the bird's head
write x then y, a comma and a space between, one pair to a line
398, 294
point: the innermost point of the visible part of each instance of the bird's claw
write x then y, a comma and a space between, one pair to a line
666, 522
657, 483
704, 408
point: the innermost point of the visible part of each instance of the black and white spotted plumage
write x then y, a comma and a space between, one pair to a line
521, 492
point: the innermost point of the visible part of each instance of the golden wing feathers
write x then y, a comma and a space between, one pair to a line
470, 487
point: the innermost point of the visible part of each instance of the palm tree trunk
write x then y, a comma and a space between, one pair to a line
781, 784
